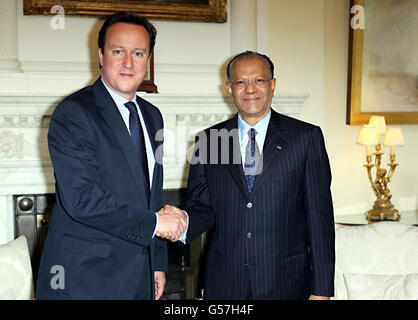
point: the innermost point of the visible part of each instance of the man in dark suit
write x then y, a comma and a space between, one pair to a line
107, 159
261, 180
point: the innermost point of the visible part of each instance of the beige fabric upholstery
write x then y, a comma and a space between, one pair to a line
16, 281
377, 261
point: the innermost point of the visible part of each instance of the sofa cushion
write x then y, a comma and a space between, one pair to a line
16, 271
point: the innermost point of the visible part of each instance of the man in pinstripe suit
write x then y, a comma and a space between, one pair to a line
265, 193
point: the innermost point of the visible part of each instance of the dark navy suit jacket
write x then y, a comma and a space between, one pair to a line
277, 241
101, 225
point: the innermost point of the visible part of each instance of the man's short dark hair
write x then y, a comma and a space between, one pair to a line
250, 55
126, 17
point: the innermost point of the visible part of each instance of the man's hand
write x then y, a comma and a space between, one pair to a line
172, 222
172, 209
312, 297
160, 281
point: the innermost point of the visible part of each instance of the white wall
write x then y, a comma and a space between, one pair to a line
297, 49
351, 188
189, 57
308, 41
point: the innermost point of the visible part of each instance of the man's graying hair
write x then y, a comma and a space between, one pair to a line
250, 55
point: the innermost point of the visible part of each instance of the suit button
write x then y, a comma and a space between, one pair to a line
249, 205
249, 235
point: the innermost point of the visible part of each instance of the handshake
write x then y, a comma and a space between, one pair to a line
172, 222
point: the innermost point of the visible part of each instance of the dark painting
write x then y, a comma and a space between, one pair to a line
198, 2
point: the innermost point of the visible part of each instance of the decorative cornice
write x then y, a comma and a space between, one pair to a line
33, 111
11, 145
24, 121
35, 107
59, 67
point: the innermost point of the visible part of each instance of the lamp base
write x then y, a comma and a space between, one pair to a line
383, 210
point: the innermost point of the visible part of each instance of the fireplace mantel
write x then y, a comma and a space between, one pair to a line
25, 166
24, 160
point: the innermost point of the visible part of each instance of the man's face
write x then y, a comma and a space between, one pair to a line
253, 100
125, 58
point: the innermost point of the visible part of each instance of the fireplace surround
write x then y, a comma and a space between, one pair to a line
27, 178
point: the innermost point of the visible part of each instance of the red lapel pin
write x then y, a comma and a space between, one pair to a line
279, 147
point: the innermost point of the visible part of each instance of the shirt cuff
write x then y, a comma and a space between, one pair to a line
183, 235
156, 225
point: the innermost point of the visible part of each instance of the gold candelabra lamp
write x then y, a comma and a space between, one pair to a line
369, 136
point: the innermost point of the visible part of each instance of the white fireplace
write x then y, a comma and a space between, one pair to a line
39, 66
25, 166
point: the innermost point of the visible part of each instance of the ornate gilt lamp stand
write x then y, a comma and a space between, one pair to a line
382, 209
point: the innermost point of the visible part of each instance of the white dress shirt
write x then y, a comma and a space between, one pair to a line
124, 112
261, 128
243, 127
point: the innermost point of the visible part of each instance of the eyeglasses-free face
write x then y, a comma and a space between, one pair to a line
125, 58
251, 89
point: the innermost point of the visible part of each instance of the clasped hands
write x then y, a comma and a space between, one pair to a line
172, 222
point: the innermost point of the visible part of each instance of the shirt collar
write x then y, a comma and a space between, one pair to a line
119, 100
261, 126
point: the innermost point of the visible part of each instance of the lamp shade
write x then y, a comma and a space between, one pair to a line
393, 137
379, 123
368, 136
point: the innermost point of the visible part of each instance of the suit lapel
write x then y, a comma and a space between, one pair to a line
149, 123
275, 142
152, 134
113, 118
235, 166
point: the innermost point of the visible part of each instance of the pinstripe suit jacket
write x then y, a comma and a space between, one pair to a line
280, 238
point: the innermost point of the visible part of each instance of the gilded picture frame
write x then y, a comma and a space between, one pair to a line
148, 84
382, 79
169, 10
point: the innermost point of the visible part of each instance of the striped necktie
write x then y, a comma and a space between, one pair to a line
252, 159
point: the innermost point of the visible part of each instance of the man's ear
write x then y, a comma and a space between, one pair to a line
228, 88
100, 57
273, 85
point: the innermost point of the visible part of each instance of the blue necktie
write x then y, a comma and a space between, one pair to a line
252, 159
137, 136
